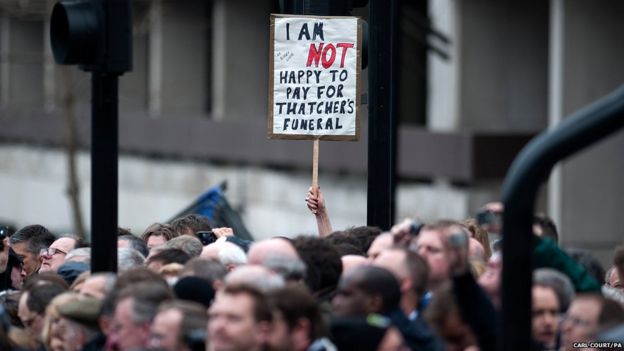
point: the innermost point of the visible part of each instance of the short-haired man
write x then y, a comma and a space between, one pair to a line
28, 243
191, 224
297, 320
239, 320
587, 315
545, 311
136, 307
53, 256
175, 321
412, 272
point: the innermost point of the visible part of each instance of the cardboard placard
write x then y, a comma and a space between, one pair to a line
314, 77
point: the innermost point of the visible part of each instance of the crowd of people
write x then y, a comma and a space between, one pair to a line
186, 286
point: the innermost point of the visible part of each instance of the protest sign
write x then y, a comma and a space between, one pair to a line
314, 78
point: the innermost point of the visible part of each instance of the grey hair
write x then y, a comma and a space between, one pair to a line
81, 254
110, 279
189, 244
128, 258
289, 268
231, 254
559, 282
258, 277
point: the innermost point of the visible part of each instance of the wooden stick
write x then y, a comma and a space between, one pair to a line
315, 159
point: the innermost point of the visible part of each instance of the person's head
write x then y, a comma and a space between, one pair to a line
589, 262
545, 312
429, 244
260, 250
98, 285
174, 321
5, 233
54, 256
135, 309
52, 331
480, 235
191, 224
410, 270
228, 254
559, 282
258, 277
239, 320
382, 241
587, 315
322, 262
365, 290
158, 234
33, 303
368, 333
208, 270
612, 279
166, 257
28, 243
81, 254
545, 227
134, 242
444, 317
189, 244
490, 280
297, 319
128, 258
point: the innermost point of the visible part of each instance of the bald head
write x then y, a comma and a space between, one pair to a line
261, 250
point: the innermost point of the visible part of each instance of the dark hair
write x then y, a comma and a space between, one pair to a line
547, 225
194, 316
323, 264
135, 243
589, 262
170, 256
40, 296
262, 310
123, 231
375, 280
295, 303
191, 222
365, 235
361, 237
36, 236
158, 229
418, 270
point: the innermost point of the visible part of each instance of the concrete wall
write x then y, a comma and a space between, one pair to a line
33, 187
591, 188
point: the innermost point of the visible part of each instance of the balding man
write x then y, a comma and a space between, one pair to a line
261, 250
54, 256
412, 273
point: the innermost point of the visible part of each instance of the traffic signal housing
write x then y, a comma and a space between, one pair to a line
94, 34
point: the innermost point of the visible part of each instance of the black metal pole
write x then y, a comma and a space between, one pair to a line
382, 116
104, 177
530, 169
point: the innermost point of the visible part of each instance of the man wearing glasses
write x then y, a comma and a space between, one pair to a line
54, 256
